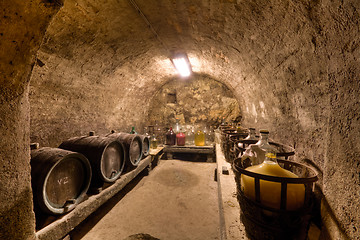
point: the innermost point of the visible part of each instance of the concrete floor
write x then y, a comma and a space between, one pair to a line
178, 200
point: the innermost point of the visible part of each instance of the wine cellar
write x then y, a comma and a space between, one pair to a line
180, 119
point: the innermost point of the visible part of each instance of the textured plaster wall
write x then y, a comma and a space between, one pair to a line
22, 27
293, 67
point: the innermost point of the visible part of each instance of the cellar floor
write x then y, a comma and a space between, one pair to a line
177, 200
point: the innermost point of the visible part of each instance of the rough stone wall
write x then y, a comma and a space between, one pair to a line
99, 66
305, 89
87, 72
342, 166
198, 100
22, 28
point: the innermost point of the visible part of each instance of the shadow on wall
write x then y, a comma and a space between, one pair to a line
323, 215
198, 100
331, 222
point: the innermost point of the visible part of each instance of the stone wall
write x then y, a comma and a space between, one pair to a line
22, 28
198, 100
306, 93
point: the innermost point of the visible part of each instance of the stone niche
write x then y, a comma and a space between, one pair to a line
199, 101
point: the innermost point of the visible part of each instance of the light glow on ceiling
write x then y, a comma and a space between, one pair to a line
182, 65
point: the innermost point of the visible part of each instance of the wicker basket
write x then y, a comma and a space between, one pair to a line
224, 130
240, 145
227, 136
265, 223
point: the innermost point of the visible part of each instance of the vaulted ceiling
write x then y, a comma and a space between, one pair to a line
293, 67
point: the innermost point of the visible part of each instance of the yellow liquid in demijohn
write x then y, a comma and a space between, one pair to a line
199, 138
270, 192
153, 144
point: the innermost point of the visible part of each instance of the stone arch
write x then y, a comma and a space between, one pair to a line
200, 99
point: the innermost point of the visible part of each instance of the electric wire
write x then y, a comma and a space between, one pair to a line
149, 25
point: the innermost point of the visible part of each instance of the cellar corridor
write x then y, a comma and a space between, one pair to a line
178, 201
69, 68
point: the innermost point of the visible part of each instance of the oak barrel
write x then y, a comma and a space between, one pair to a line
106, 156
59, 179
145, 145
133, 147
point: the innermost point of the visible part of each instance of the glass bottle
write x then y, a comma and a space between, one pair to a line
133, 130
199, 138
180, 138
190, 134
146, 133
170, 137
270, 192
264, 145
151, 130
177, 126
153, 142
210, 135
205, 131
238, 128
252, 135
159, 134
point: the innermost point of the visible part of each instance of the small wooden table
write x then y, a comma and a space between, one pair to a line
208, 150
156, 155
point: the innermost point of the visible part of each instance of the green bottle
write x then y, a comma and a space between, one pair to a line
133, 130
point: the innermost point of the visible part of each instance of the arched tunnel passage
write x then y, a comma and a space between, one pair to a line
198, 100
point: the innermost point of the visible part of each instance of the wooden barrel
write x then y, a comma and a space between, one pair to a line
106, 156
59, 179
145, 145
133, 147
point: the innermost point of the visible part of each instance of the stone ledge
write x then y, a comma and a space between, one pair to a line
230, 226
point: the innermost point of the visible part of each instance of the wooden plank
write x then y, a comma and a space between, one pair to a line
157, 151
190, 149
